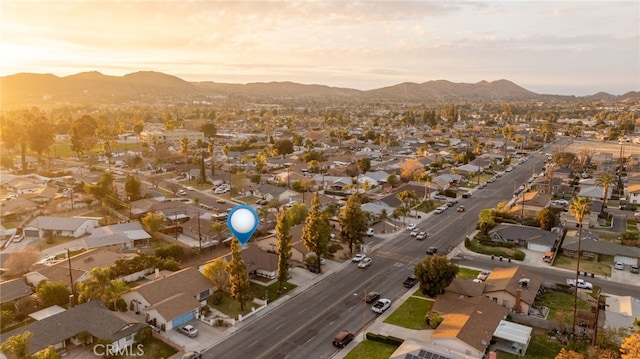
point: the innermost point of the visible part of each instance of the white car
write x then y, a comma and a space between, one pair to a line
358, 258
182, 192
581, 283
365, 263
381, 305
370, 232
618, 266
415, 232
411, 227
483, 275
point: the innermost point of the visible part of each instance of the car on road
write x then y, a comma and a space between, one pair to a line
262, 201
460, 209
415, 232
189, 188
381, 305
188, 330
343, 338
618, 266
422, 236
365, 263
182, 192
370, 232
371, 297
191, 355
358, 258
483, 275
432, 250
411, 227
410, 281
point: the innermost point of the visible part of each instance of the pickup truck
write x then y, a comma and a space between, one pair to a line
581, 283
381, 305
410, 281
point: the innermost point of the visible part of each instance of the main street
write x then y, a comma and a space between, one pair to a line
304, 326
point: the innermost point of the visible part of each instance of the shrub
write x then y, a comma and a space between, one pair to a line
217, 298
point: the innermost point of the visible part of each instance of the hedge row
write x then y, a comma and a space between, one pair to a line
387, 339
474, 246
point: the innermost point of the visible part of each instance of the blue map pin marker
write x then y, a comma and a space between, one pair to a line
242, 222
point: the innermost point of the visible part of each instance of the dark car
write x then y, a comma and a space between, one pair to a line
410, 281
432, 250
371, 297
343, 338
191, 355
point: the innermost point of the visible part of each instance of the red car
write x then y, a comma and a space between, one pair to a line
460, 209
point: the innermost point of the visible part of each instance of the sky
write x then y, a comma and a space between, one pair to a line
549, 47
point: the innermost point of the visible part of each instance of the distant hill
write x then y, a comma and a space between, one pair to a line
27, 89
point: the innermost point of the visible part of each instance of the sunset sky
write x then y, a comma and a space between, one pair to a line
550, 47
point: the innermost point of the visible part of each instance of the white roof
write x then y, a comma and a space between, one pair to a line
47, 312
513, 332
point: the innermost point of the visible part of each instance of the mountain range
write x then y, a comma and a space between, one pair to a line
38, 89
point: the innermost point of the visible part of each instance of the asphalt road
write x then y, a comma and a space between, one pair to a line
304, 326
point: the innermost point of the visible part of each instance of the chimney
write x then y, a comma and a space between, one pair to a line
157, 274
518, 306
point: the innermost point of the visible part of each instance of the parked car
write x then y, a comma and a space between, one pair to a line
432, 250
188, 330
191, 355
410, 281
581, 283
371, 297
440, 197
618, 266
365, 263
343, 338
483, 275
439, 210
634, 269
358, 257
381, 305
182, 192
370, 232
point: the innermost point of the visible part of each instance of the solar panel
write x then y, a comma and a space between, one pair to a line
422, 353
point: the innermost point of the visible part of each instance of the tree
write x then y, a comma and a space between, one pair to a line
383, 218
569, 354
17, 345
83, 131
411, 168
132, 187
100, 285
435, 273
353, 223
548, 218
47, 353
364, 164
153, 222
408, 198
53, 293
316, 231
283, 147
215, 272
40, 134
630, 348
605, 181
238, 275
218, 228
184, 147
579, 208
392, 179
283, 235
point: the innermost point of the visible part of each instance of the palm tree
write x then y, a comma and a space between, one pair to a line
579, 208
218, 228
605, 180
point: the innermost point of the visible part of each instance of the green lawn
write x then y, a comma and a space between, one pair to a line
560, 306
231, 307
586, 265
467, 273
540, 347
411, 314
370, 349
152, 349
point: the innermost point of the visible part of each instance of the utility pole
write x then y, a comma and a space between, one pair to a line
364, 315
73, 291
199, 233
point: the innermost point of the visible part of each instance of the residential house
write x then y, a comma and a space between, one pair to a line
532, 238
79, 268
46, 226
529, 204
16, 208
622, 312
632, 193
170, 301
468, 324
259, 262
126, 235
23, 185
595, 192
13, 290
514, 288
63, 328
44, 194
271, 192
600, 251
